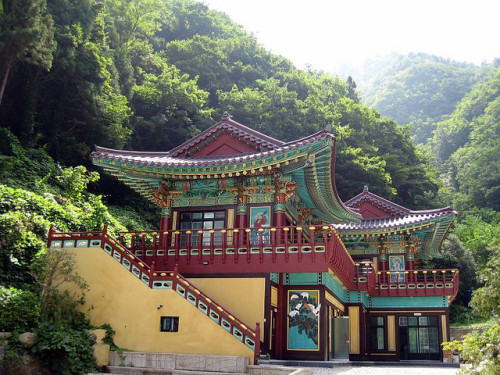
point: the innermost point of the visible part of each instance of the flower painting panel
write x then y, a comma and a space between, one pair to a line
303, 320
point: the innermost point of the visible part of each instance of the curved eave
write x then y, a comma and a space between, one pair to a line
434, 231
163, 166
318, 186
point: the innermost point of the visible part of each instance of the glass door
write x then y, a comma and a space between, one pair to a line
419, 337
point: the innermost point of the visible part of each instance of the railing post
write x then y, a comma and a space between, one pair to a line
313, 243
325, 241
212, 256
248, 240
175, 238
104, 234
261, 244
52, 230
257, 343
356, 272
224, 245
236, 239
287, 244
299, 243
188, 246
200, 246
273, 234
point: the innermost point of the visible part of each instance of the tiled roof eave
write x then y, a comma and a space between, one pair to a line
385, 225
163, 160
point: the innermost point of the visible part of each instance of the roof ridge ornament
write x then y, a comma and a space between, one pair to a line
226, 116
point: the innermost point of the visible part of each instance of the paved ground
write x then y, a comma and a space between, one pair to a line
384, 370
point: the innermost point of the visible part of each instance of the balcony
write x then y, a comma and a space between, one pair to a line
248, 250
265, 250
413, 283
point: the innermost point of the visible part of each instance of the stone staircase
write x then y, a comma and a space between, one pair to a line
136, 363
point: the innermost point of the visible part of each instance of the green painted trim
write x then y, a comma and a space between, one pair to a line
405, 302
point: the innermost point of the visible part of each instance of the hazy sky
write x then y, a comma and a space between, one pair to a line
329, 33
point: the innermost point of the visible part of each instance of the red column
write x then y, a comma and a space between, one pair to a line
279, 217
382, 265
165, 226
242, 216
410, 265
278, 345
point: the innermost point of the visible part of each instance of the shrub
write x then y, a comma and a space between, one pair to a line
480, 351
63, 350
19, 310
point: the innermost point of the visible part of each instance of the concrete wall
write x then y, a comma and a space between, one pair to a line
244, 297
131, 307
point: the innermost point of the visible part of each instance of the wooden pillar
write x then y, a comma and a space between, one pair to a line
280, 318
242, 215
165, 225
279, 219
410, 265
383, 267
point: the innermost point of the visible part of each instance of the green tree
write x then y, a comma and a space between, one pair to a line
26, 35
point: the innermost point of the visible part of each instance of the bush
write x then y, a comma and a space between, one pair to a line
19, 310
480, 351
63, 350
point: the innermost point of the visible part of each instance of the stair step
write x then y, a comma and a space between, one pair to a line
122, 370
150, 371
175, 363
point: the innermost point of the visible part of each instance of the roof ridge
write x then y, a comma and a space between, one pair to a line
226, 122
376, 198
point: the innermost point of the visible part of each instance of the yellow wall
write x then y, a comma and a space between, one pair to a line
354, 345
244, 297
391, 333
120, 299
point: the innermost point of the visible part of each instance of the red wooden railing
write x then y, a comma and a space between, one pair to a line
314, 248
161, 280
280, 249
441, 282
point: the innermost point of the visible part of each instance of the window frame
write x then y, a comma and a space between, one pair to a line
173, 326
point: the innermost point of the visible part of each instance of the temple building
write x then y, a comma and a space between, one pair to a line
257, 254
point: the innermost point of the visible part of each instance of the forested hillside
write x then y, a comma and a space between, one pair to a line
147, 75
418, 89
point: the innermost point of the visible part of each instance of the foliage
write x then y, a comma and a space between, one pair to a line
457, 255
53, 270
108, 337
63, 350
480, 351
19, 310
466, 147
26, 34
43, 194
420, 90
486, 300
63, 343
13, 362
478, 230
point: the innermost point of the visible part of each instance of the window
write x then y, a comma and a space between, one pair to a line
202, 220
169, 324
377, 333
423, 334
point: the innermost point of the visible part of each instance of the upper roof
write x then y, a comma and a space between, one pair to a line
382, 217
179, 158
230, 149
379, 213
